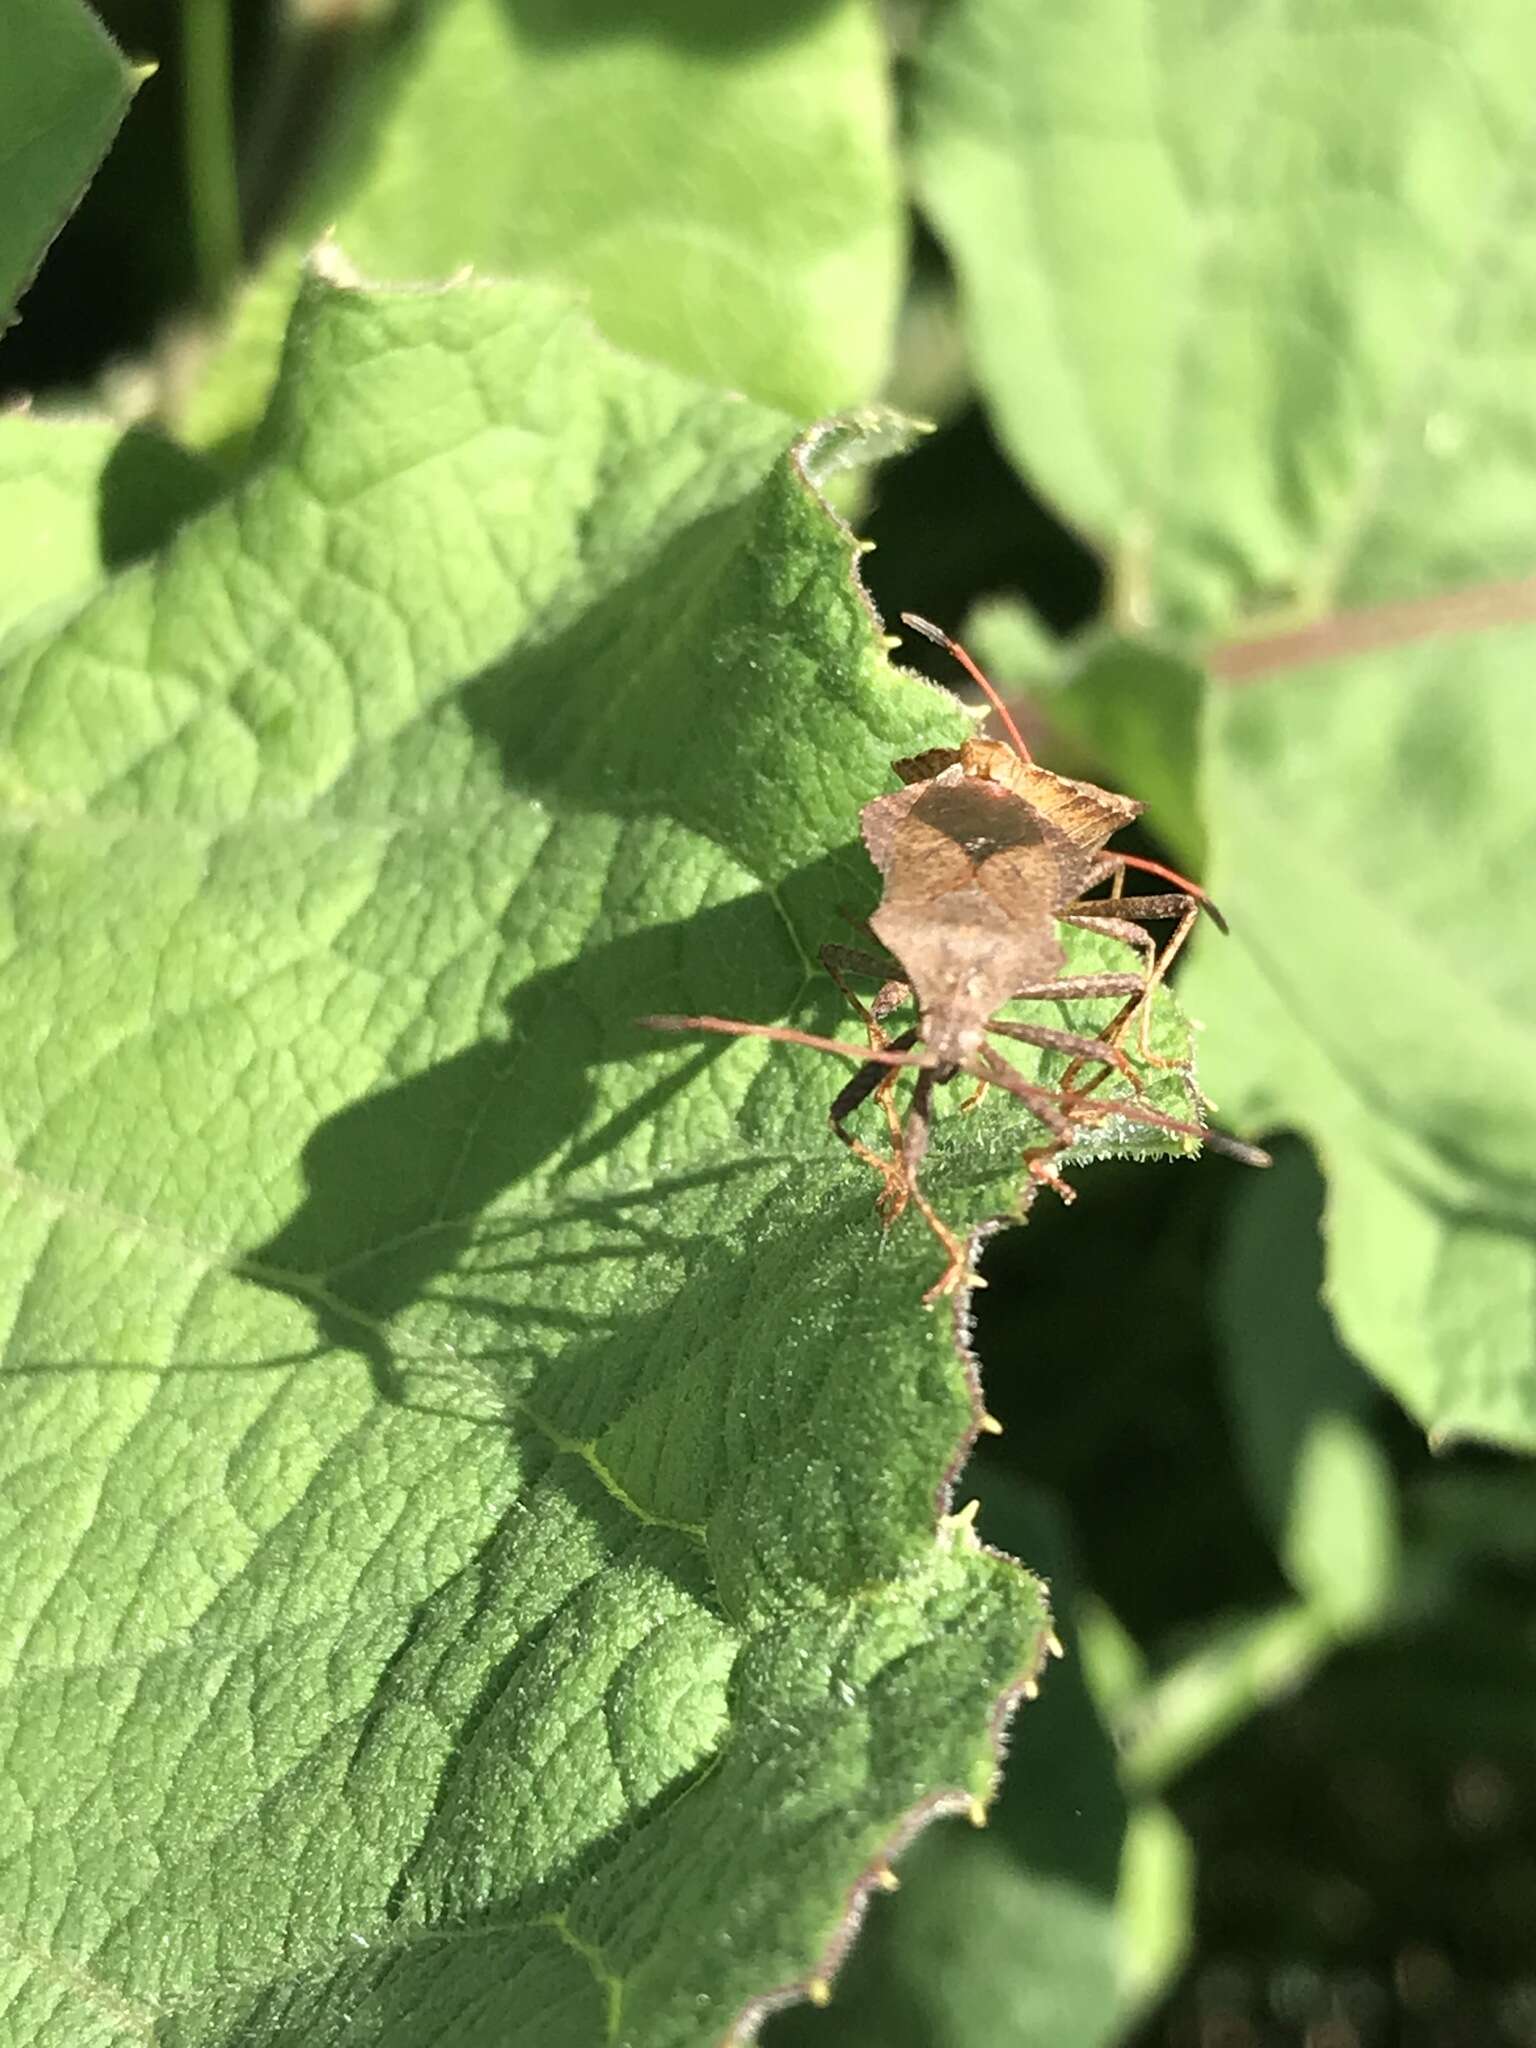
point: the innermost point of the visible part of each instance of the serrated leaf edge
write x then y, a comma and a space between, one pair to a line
820, 450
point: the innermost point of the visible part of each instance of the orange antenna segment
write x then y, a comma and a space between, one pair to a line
1155, 867
989, 690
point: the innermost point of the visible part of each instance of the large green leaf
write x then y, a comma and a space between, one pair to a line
1371, 832
1264, 362
1261, 358
63, 90
721, 184
467, 1517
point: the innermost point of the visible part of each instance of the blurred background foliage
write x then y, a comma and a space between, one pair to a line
1220, 324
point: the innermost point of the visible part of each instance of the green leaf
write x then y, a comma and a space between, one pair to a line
467, 1465
1156, 1903
1371, 829
63, 90
1244, 1664
1263, 362
78, 498
218, 408
1301, 1406
1010, 1934
721, 184
1383, 923
1261, 359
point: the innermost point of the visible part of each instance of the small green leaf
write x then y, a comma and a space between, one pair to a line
63, 90
461, 1453
1301, 1406
1244, 1664
1157, 1899
1341, 1538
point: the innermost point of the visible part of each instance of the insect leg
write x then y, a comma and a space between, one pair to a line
895, 1183
839, 961
1052, 1106
1112, 868
1184, 905
1072, 986
1046, 1105
1089, 919
1158, 962
1100, 1049
1165, 960
892, 993
1145, 909
914, 1146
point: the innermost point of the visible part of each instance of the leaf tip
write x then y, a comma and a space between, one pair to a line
329, 262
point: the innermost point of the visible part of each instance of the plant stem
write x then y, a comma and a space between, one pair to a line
213, 197
1187, 1711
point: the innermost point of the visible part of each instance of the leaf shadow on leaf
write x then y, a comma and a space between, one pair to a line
147, 488
399, 1180
726, 686
609, 1317
697, 1411
616, 1914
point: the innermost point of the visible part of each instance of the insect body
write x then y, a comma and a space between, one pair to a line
984, 855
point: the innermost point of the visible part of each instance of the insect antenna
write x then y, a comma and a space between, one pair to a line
988, 689
785, 1034
1155, 867
1234, 1148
